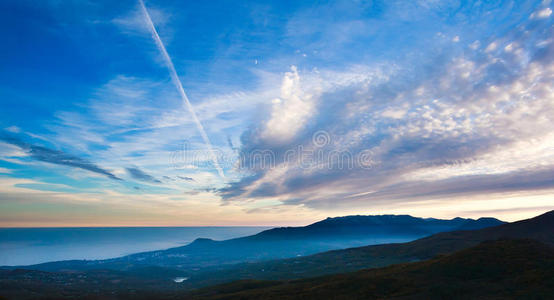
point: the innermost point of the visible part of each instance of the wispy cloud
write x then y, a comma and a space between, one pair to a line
44, 154
462, 123
450, 101
13, 129
138, 174
179, 86
186, 178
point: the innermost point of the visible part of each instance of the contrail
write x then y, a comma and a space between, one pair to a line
179, 86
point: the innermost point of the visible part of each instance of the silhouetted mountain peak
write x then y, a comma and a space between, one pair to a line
471, 224
376, 225
202, 242
365, 220
395, 220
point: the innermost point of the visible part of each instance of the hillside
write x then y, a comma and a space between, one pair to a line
499, 269
284, 242
155, 282
540, 228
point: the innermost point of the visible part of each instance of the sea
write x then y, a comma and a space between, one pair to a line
25, 246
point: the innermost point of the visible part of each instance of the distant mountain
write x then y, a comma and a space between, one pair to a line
479, 223
381, 225
284, 242
498, 269
540, 228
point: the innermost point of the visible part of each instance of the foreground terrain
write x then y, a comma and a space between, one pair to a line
502, 269
510, 257
496, 270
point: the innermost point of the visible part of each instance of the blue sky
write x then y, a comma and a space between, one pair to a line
443, 107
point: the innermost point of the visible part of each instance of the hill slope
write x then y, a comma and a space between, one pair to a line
499, 269
284, 242
540, 228
157, 283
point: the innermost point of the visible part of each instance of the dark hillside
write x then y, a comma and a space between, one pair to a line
502, 269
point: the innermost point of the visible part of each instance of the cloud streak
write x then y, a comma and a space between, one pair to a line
179, 86
57, 157
138, 174
471, 122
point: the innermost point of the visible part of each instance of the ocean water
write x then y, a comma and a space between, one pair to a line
24, 246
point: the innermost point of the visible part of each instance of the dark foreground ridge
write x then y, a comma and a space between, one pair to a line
502, 269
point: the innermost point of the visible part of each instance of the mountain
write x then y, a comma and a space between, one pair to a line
498, 269
381, 225
540, 228
153, 282
284, 242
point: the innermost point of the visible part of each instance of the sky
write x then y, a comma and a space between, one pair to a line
290, 111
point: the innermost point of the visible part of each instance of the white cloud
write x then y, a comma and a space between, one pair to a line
394, 113
294, 109
509, 47
542, 14
13, 129
133, 22
491, 47
471, 114
487, 114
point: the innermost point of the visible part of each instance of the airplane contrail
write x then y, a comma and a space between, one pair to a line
179, 86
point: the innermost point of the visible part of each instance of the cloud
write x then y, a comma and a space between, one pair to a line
291, 111
13, 129
469, 122
470, 185
178, 85
56, 157
133, 23
185, 178
141, 122
542, 14
394, 114
138, 174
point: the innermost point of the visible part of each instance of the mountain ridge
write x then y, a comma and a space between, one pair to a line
540, 228
281, 242
153, 282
